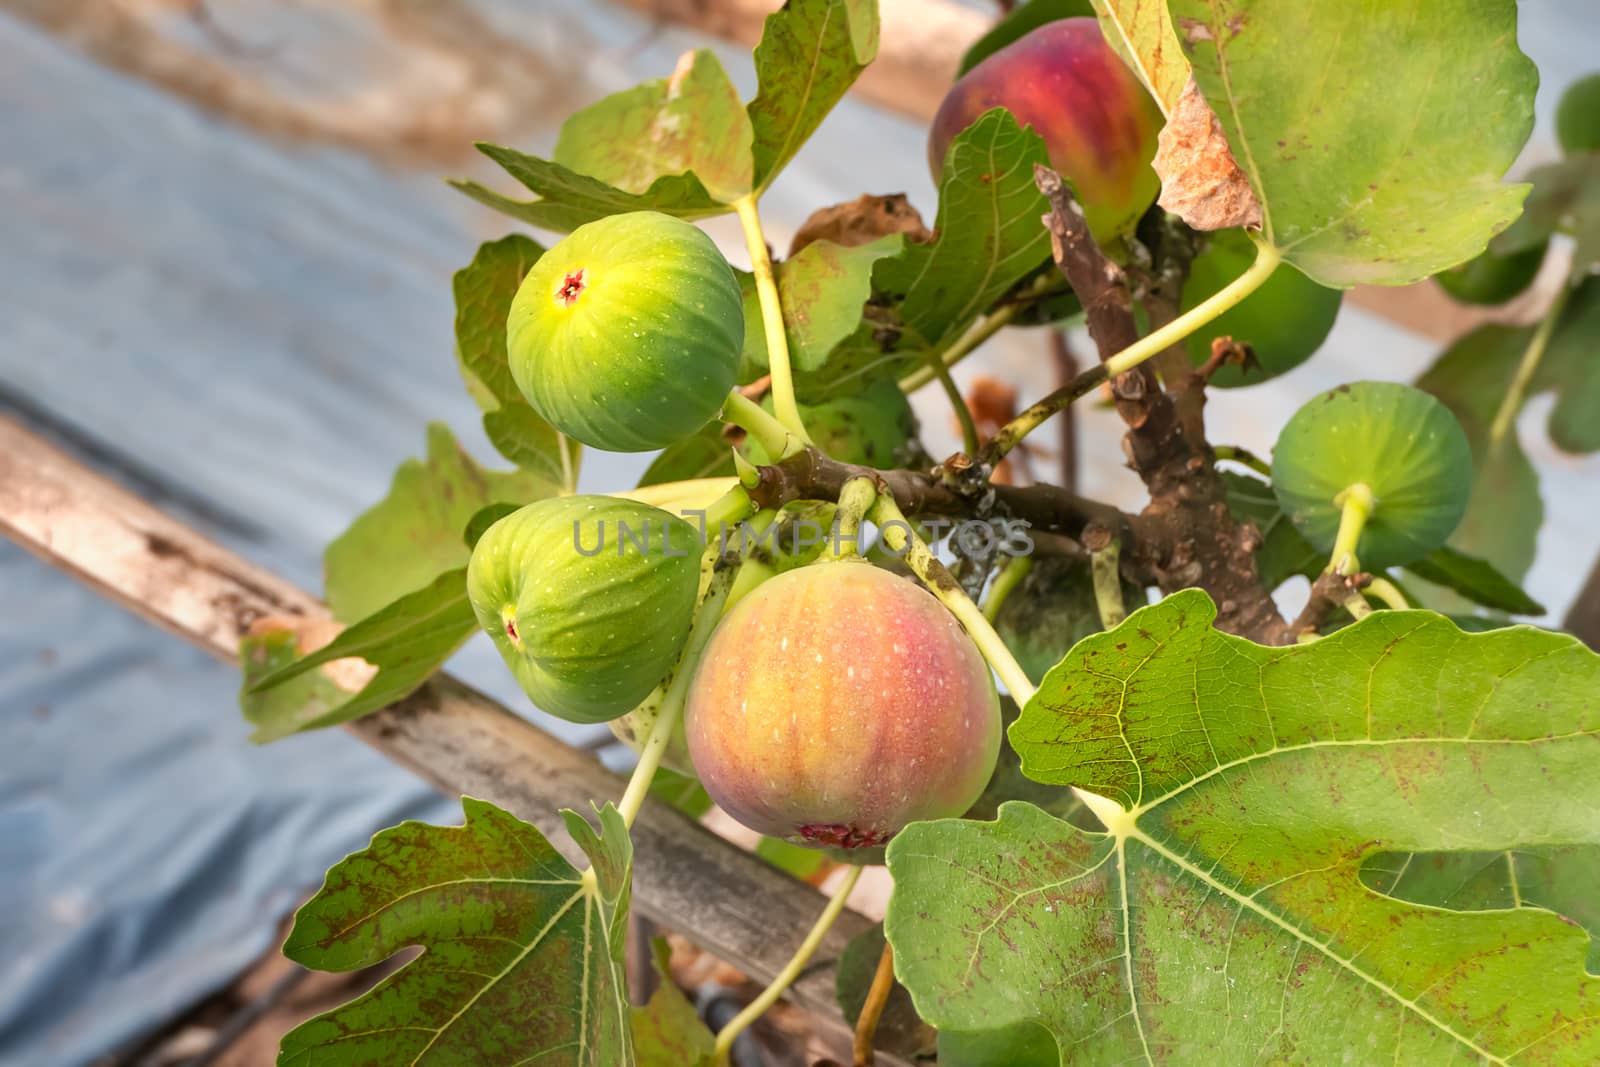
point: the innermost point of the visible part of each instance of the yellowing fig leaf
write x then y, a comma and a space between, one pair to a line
692, 122
522, 953
1223, 917
1141, 33
1374, 132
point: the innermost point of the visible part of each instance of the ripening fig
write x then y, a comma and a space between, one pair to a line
627, 334
1403, 445
837, 703
869, 428
1098, 122
588, 598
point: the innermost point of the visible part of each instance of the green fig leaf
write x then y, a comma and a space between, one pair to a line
690, 123
1018, 23
667, 1031
568, 199
1375, 134
483, 290
811, 52
1559, 878
1222, 916
1284, 321
1142, 34
1475, 579
407, 641
988, 240
406, 539
521, 958
823, 289
899, 1029
1471, 378
1565, 200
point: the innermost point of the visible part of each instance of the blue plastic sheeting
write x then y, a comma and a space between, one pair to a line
147, 850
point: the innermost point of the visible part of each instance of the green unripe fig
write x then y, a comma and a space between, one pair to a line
1400, 443
1491, 278
588, 598
837, 703
626, 335
1578, 116
869, 428
1283, 322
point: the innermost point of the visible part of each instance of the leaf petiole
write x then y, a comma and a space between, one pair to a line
1267, 259
773, 436
1506, 415
783, 400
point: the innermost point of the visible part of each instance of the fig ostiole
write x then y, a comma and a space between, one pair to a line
1098, 122
588, 598
837, 703
626, 335
1375, 473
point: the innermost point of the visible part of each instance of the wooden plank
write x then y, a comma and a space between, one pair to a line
721, 897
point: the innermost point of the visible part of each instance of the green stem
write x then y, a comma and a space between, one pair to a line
963, 347
855, 500
901, 536
969, 429
1389, 593
1357, 606
1505, 417
1011, 574
783, 401
1356, 503
1267, 260
655, 746
791, 970
753, 419
1244, 457
1107, 578
733, 506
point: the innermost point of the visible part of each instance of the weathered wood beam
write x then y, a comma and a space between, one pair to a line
687, 879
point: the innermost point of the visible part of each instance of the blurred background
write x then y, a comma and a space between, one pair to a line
225, 259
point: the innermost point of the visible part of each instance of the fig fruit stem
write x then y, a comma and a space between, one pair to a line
1006, 579
1104, 564
753, 419
783, 401
902, 537
969, 429
855, 500
1505, 417
960, 349
791, 970
862, 1053
1356, 504
1389, 593
1267, 260
655, 746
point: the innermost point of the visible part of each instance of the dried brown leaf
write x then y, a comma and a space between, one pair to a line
1200, 181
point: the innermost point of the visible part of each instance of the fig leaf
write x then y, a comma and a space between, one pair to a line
568, 199
1222, 917
824, 288
1565, 200
406, 642
667, 1031
483, 291
1374, 134
690, 123
1142, 34
522, 955
811, 52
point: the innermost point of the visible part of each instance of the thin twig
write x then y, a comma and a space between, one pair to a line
872, 1009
